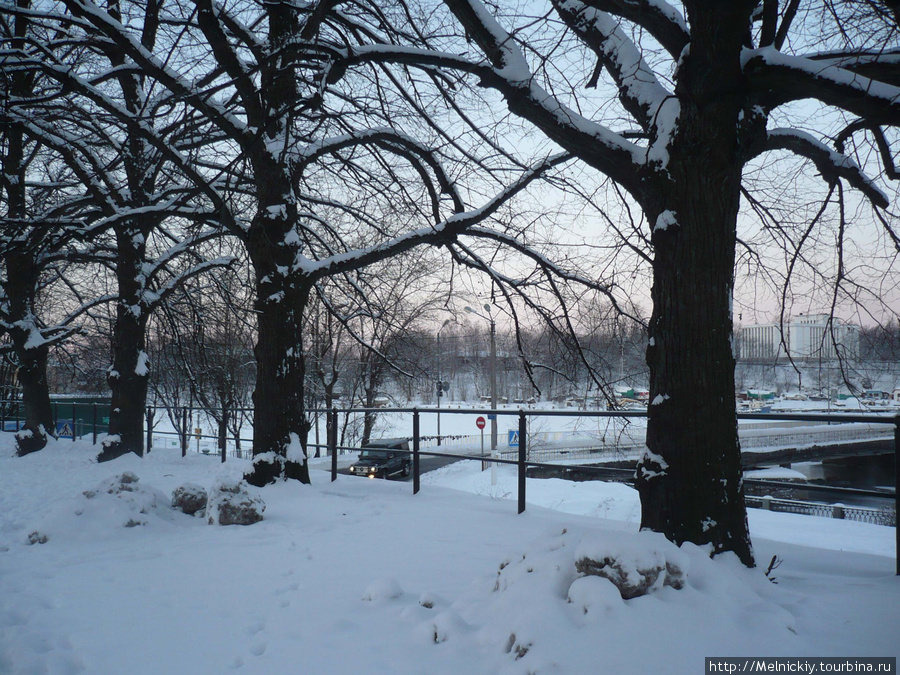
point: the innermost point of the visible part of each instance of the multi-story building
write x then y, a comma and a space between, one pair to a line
762, 342
806, 336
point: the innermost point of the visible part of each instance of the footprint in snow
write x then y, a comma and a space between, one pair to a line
256, 627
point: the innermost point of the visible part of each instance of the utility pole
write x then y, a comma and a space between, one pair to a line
493, 416
440, 381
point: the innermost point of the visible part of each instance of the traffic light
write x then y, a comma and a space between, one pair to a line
440, 388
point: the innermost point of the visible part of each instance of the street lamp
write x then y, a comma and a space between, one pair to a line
493, 416
440, 382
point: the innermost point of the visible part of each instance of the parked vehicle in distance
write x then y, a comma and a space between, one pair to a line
383, 459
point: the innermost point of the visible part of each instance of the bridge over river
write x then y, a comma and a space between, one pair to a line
763, 441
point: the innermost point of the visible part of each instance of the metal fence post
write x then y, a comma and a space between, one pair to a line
224, 439
184, 429
74, 425
95, 424
149, 428
331, 441
415, 451
523, 440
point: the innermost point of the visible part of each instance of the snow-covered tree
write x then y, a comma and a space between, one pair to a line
398, 296
203, 340
105, 123
304, 174
699, 90
34, 237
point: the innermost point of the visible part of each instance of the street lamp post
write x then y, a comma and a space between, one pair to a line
493, 415
493, 381
440, 381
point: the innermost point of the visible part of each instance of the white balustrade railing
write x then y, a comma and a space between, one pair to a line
628, 443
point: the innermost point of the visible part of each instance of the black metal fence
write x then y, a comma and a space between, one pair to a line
74, 417
89, 418
522, 462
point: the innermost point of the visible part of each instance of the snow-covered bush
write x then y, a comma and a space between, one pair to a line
230, 503
190, 498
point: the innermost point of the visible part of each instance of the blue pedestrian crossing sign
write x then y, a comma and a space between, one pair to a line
513, 438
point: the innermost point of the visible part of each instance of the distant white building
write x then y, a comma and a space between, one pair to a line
807, 337
762, 342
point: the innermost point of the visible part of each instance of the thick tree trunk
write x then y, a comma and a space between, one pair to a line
129, 376
38, 412
31, 354
280, 426
22, 274
690, 477
128, 380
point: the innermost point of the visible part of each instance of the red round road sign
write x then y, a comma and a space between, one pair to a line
480, 422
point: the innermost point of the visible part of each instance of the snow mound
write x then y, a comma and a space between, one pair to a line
596, 596
539, 598
116, 502
121, 500
443, 626
634, 567
230, 503
382, 590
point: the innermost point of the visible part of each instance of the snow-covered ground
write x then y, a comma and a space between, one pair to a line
360, 576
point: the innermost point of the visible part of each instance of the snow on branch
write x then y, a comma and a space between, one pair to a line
392, 141
639, 89
187, 246
86, 165
665, 23
781, 78
154, 298
506, 71
438, 234
47, 336
526, 98
880, 65
78, 157
157, 68
830, 163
